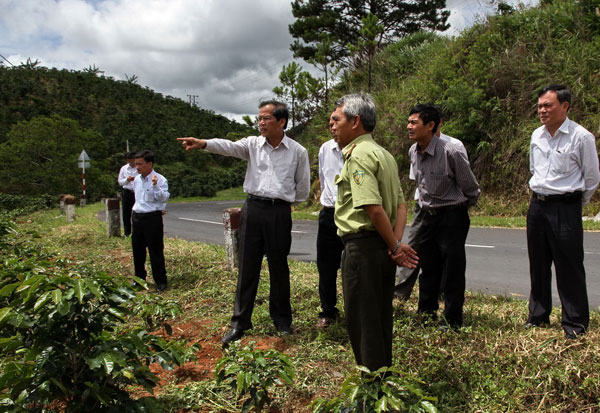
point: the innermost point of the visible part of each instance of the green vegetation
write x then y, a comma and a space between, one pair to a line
47, 116
64, 341
492, 364
486, 81
251, 373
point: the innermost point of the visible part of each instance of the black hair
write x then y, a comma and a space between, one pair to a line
147, 155
562, 93
280, 110
428, 113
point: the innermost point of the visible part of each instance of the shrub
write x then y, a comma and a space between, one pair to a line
252, 372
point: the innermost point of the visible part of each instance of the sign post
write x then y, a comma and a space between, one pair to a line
83, 162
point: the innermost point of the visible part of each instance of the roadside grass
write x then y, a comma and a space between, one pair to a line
491, 364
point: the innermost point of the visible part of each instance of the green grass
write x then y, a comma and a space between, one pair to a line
491, 365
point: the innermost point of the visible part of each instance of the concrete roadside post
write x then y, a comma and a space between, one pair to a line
70, 208
61, 203
231, 220
113, 218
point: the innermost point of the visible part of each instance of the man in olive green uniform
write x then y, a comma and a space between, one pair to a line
370, 214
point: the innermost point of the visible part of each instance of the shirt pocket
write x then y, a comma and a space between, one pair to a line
437, 185
562, 163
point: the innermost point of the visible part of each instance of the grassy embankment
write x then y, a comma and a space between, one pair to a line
490, 365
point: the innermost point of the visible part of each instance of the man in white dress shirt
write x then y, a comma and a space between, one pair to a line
127, 174
407, 277
329, 243
277, 176
564, 168
151, 196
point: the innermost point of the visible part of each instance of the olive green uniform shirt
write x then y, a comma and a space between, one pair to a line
369, 177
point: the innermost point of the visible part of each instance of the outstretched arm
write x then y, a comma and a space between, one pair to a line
192, 143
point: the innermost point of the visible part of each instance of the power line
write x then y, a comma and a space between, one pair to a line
7, 60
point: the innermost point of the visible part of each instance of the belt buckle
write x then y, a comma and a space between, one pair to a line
431, 211
542, 197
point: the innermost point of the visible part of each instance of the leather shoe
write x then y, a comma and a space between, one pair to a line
284, 330
233, 335
161, 287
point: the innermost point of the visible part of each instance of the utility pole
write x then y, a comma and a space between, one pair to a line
192, 100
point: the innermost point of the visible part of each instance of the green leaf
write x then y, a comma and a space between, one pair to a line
6, 313
80, 291
93, 288
42, 300
107, 362
8, 289
56, 296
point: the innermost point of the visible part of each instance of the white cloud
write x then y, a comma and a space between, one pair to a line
227, 52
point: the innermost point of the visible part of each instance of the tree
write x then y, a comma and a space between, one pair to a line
325, 62
288, 78
40, 157
341, 21
366, 46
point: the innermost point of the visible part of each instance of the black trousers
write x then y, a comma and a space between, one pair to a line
443, 262
266, 228
127, 201
329, 259
148, 233
408, 276
555, 234
368, 284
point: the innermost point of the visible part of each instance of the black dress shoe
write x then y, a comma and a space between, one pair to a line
161, 287
234, 335
285, 330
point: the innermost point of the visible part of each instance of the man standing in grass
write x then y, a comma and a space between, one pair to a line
278, 175
408, 276
329, 243
564, 169
127, 174
446, 187
370, 214
151, 196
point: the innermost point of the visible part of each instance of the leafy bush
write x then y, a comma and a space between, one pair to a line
385, 390
252, 372
26, 204
61, 337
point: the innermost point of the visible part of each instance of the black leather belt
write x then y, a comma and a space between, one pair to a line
444, 209
360, 234
127, 190
570, 197
271, 201
329, 210
146, 214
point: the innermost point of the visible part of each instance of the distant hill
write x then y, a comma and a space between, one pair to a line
77, 108
486, 80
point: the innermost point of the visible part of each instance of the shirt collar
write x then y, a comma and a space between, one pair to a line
347, 151
563, 128
433, 143
285, 141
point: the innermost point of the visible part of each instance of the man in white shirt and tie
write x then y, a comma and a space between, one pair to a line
127, 174
329, 243
277, 176
151, 196
564, 169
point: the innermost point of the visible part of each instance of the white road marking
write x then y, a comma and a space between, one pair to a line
220, 223
200, 220
479, 246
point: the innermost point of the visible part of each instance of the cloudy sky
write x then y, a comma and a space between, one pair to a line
226, 53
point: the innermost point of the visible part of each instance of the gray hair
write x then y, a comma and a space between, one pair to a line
360, 104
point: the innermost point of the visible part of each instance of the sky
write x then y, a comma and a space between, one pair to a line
226, 55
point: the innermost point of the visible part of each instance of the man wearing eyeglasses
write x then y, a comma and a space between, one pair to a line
277, 176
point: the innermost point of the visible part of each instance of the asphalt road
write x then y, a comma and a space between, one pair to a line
497, 260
